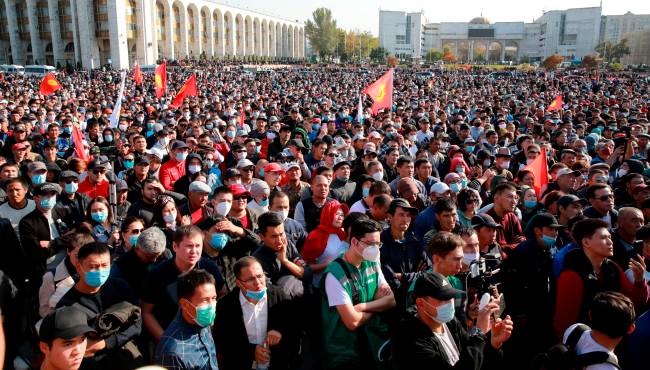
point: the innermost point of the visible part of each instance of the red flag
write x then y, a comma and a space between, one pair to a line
381, 92
77, 138
49, 85
242, 117
137, 74
188, 89
556, 104
539, 168
160, 79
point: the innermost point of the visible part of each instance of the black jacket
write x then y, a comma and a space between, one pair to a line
416, 347
590, 212
13, 261
34, 228
235, 352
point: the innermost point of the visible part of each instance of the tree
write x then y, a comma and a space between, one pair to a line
378, 54
589, 62
611, 52
322, 32
449, 57
433, 55
552, 62
392, 61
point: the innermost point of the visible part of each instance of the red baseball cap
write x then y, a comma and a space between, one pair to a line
239, 189
18, 146
273, 167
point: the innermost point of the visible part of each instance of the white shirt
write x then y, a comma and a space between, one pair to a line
337, 295
359, 206
334, 248
587, 344
15, 215
256, 318
448, 345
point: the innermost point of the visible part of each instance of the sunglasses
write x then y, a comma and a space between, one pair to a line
136, 231
333, 155
240, 197
70, 181
605, 198
97, 172
249, 169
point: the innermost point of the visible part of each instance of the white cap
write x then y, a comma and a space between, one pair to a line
439, 188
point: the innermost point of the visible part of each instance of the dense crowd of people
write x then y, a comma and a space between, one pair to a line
275, 222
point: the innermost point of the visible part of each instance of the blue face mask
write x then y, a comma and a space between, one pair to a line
218, 241
470, 149
365, 192
463, 183
454, 187
444, 313
181, 156
264, 202
205, 314
108, 139
549, 241
38, 179
256, 296
67, 130
99, 216
209, 127
261, 173
48, 203
530, 203
133, 240
97, 278
71, 188
315, 127
230, 134
128, 164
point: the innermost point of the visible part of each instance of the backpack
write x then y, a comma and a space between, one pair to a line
563, 356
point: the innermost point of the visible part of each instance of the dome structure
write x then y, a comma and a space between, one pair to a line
479, 20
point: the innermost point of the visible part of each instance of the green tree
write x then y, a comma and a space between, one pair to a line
433, 55
379, 54
322, 32
611, 52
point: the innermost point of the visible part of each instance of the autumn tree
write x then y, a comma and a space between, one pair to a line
392, 61
449, 57
589, 62
552, 62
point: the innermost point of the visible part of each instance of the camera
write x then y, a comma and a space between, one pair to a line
484, 275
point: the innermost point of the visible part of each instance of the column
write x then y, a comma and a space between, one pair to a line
147, 45
55, 31
169, 30
209, 29
118, 34
35, 36
503, 50
471, 51
220, 39
88, 49
75, 33
183, 52
17, 48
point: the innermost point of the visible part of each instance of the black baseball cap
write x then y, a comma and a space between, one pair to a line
65, 323
401, 203
483, 219
570, 199
433, 284
543, 220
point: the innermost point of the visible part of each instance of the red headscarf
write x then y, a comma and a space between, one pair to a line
317, 238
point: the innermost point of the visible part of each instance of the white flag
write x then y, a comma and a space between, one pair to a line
360, 109
115, 115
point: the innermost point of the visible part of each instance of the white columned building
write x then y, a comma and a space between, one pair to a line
93, 33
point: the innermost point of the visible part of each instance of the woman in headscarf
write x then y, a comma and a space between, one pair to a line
327, 241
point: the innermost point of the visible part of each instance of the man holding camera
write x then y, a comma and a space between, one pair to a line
434, 338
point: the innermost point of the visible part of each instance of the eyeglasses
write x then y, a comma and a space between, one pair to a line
259, 277
136, 231
97, 172
333, 155
605, 198
251, 168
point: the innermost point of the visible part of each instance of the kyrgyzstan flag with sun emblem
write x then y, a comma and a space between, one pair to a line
49, 85
188, 89
556, 104
160, 79
381, 92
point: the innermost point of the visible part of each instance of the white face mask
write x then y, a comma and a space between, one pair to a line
378, 176
194, 168
170, 217
470, 257
284, 214
505, 165
223, 208
370, 254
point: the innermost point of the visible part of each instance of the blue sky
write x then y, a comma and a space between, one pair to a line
364, 14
